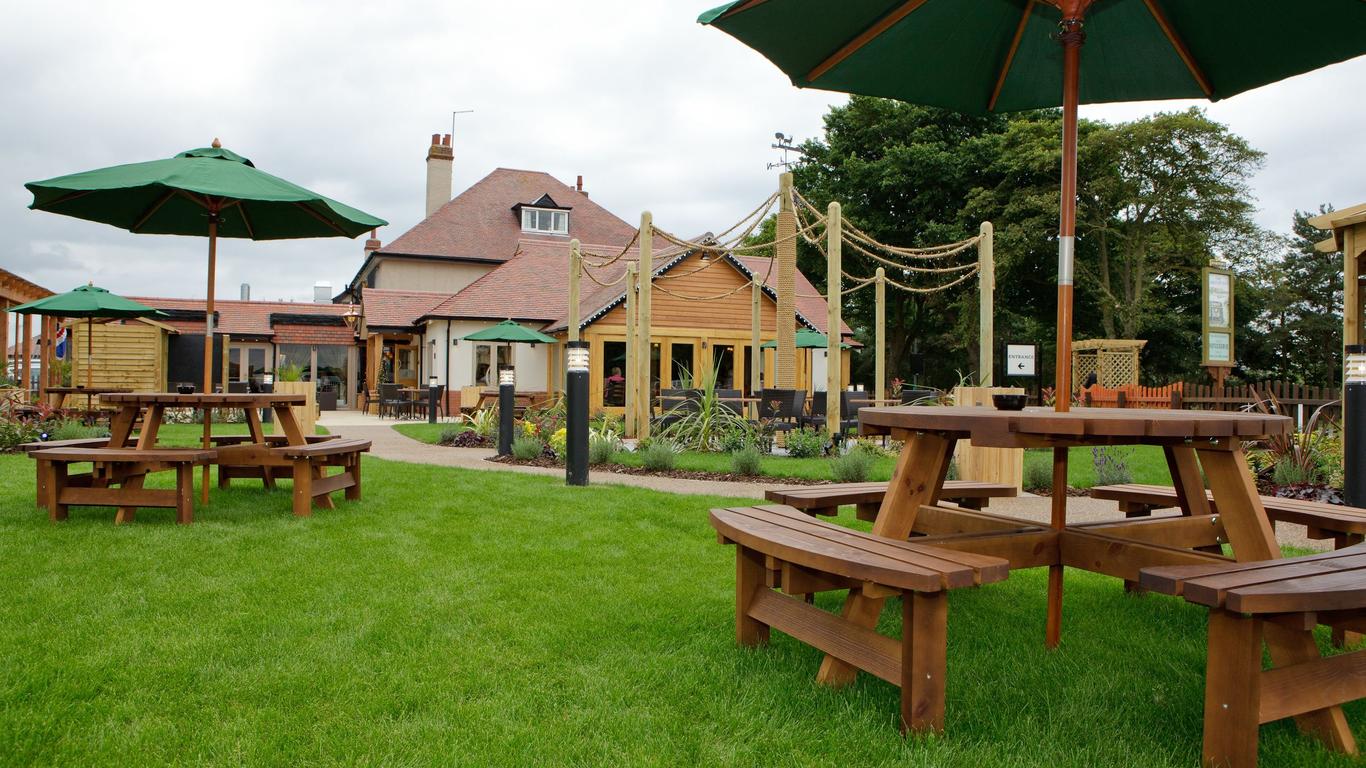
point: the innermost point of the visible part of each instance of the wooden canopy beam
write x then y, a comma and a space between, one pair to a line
863, 38
1180, 46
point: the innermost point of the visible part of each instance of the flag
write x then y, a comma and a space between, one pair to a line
61, 343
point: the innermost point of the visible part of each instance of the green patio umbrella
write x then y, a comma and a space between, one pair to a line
510, 332
806, 339
981, 56
88, 302
209, 192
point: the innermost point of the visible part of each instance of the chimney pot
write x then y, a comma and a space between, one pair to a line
446, 140
436, 139
578, 185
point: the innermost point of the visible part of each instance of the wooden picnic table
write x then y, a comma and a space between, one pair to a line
151, 406
1191, 441
57, 395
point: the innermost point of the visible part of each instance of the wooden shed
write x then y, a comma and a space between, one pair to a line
128, 354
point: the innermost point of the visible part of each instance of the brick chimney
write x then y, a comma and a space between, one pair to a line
578, 186
440, 159
372, 244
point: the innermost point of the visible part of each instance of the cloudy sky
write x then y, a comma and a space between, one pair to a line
656, 112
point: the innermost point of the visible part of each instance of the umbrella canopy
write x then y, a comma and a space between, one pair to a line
806, 339
86, 301
980, 56
510, 332
176, 195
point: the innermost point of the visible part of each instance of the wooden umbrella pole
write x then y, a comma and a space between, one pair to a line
208, 343
1072, 38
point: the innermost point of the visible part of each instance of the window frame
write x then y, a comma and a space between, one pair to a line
533, 215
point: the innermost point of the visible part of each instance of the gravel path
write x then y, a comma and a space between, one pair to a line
388, 443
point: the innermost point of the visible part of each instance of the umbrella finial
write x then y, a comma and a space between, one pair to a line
90, 283
216, 143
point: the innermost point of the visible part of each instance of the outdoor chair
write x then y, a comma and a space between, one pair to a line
238, 387
391, 402
675, 403
782, 406
850, 404
731, 399
909, 396
815, 407
614, 393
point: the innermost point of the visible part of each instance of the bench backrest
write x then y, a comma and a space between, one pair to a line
791, 536
1330, 581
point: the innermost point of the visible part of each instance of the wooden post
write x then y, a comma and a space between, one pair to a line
880, 333
785, 362
25, 350
833, 235
986, 280
756, 352
44, 356
632, 409
4, 341
575, 274
645, 394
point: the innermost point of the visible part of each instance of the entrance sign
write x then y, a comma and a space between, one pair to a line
1216, 316
1021, 360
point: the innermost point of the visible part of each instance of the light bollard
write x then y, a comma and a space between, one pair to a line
1354, 425
576, 417
432, 389
507, 403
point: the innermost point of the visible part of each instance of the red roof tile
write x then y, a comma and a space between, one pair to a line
286, 333
480, 224
398, 309
239, 318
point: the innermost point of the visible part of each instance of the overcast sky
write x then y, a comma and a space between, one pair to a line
655, 111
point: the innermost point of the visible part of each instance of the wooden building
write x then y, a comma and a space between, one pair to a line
126, 354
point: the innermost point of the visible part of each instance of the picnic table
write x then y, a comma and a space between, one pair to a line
1191, 441
57, 395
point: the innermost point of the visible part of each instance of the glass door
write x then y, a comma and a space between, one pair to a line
248, 363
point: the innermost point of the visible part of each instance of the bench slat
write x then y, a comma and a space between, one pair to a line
160, 455
326, 448
1172, 579
773, 539
1333, 517
1341, 590
993, 569
1212, 590
840, 494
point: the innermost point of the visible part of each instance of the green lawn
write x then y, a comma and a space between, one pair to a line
1145, 462
494, 619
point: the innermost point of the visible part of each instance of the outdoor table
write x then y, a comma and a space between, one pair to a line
57, 395
1191, 441
152, 407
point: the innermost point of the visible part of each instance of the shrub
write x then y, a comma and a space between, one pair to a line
559, 441
484, 421
603, 444
852, 467
952, 473
1038, 471
746, 461
659, 455
705, 423
465, 438
738, 437
805, 443
71, 429
1286, 472
1112, 464
13, 433
449, 435
527, 448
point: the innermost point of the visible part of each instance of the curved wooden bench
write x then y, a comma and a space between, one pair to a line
779, 547
239, 462
311, 484
1249, 599
81, 479
126, 467
828, 498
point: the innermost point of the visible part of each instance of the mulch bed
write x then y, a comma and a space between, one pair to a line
1071, 492
679, 474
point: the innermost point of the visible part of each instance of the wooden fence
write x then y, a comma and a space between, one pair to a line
1295, 400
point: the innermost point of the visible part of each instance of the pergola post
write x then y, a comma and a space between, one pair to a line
644, 394
632, 406
575, 274
785, 361
44, 356
880, 332
834, 235
756, 352
4, 340
986, 281
25, 350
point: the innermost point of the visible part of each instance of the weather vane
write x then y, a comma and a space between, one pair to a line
784, 142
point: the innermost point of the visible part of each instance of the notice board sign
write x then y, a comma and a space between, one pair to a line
1216, 317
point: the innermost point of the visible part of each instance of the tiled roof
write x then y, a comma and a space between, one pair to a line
398, 309
238, 318
314, 334
480, 223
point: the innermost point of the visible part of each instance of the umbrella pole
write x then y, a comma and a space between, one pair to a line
208, 345
89, 360
1071, 39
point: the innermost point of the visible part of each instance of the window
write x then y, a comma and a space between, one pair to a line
485, 368
541, 220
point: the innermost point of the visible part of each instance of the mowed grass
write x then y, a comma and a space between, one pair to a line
494, 619
1145, 462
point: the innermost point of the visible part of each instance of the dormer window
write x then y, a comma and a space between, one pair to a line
541, 220
544, 215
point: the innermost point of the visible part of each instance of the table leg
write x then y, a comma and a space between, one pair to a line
1185, 471
1058, 521
258, 433
284, 418
208, 429
1250, 534
151, 425
122, 426
125, 514
916, 481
